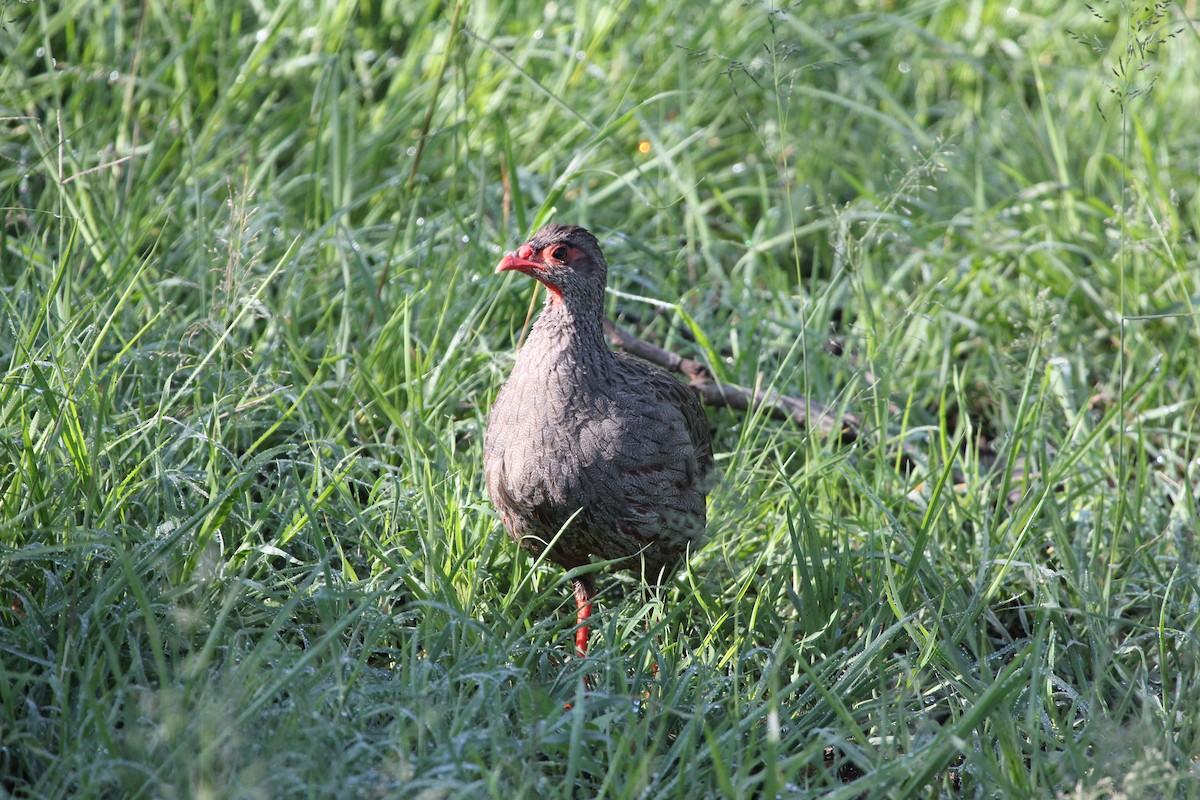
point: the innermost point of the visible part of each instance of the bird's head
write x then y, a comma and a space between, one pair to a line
566, 258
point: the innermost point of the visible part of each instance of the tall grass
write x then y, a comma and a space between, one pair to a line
251, 335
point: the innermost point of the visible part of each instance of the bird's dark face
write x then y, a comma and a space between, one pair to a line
566, 258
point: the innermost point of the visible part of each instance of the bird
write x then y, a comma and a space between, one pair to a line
590, 452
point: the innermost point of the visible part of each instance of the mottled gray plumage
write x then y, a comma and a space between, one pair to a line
610, 447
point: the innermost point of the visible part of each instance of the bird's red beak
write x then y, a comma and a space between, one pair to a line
518, 260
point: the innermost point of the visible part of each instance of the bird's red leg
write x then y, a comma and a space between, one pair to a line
583, 603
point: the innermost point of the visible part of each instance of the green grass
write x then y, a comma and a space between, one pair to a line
248, 341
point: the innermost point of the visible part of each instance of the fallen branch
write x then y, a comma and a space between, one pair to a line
800, 410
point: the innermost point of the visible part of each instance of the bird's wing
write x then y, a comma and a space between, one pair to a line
668, 390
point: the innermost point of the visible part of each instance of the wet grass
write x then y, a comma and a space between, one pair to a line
251, 334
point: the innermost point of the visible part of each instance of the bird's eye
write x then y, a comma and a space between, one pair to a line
558, 252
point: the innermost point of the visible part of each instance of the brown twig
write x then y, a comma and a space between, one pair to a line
801, 410
433, 99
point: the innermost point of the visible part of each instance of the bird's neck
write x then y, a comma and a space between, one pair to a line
569, 334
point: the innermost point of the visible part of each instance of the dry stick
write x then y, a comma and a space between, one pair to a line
416, 164
800, 410
437, 89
